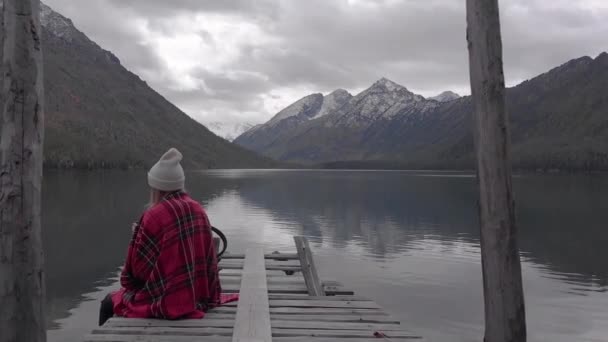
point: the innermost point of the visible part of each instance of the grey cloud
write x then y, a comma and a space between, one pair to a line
372, 42
537, 37
164, 8
330, 45
324, 45
238, 91
110, 28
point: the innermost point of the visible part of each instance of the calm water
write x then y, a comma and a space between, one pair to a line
409, 240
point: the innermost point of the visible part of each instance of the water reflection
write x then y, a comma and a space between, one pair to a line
410, 240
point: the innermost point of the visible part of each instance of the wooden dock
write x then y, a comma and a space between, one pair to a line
282, 299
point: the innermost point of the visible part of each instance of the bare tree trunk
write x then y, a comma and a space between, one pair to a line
22, 290
503, 293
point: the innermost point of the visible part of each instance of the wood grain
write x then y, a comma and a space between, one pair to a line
308, 267
253, 315
503, 293
22, 290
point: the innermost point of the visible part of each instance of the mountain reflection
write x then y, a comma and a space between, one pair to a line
561, 218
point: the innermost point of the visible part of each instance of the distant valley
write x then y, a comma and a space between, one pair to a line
228, 130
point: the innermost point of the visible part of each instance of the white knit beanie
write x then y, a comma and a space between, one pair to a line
167, 174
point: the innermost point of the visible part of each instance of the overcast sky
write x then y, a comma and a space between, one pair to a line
240, 60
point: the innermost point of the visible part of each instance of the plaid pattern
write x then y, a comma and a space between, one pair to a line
171, 268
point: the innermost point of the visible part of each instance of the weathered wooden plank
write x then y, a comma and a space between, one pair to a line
311, 311
271, 267
309, 269
231, 279
279, 279
301, 303
278, 256
505, 318
279, 285
235, 283
276, 291
322, 311
284, 262
292, 290
324, 304
163, 331
235, 272
278, 324
267, 262
153, 338
354, 318
338, 333
253, 315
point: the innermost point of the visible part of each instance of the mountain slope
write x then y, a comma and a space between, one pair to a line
311, 108
559, 120
98, 114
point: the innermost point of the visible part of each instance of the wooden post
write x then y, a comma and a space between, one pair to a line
21, 101
309, 270
503, 293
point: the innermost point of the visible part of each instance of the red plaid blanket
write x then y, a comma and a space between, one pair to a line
171, 269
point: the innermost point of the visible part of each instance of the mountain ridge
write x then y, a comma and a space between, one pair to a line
558, 121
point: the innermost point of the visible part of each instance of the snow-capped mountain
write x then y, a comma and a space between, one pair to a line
311, 108
228, 130
386, 123
446, 96
383, 100
304, 109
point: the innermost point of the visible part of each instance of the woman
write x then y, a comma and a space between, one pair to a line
171, 268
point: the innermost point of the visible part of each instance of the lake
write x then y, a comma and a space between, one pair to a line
409, 240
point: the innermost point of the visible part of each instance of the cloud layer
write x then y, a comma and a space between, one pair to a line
243, 60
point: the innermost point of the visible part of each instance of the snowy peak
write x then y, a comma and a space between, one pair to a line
307, 106
388, 89
384, 99
446, 96
333, 102
388, 85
